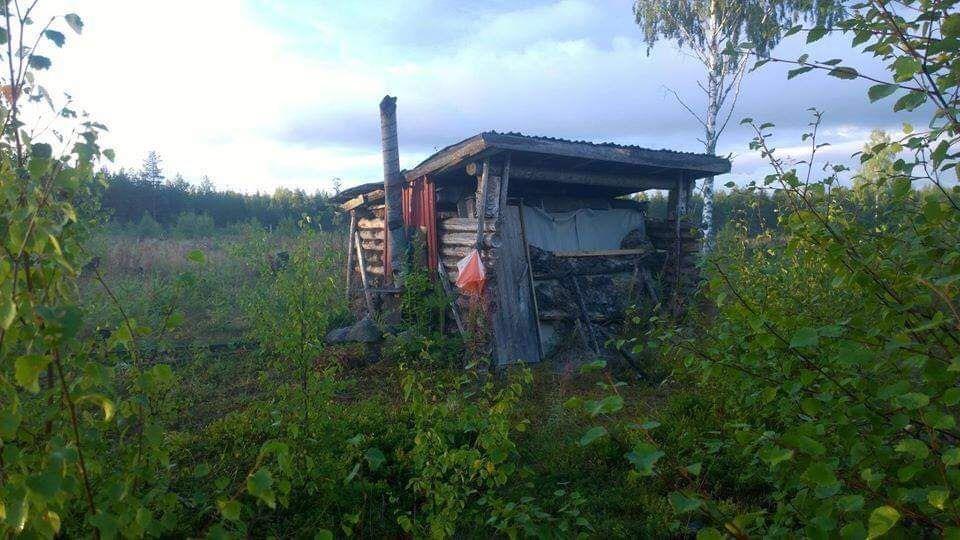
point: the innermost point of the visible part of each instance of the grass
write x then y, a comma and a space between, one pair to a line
228, 394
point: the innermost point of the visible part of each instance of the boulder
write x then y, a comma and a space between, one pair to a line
338, 335
363, 331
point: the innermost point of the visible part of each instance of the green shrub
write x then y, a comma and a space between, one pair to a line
191, 225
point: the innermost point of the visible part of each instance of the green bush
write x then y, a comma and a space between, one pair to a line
833, 354
191, 225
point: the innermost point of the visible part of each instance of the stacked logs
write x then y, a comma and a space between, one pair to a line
663, 235
458, 236
370, 228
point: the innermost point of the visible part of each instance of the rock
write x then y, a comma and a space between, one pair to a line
338, 335
364, 331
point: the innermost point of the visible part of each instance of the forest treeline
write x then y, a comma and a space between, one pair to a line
146, 203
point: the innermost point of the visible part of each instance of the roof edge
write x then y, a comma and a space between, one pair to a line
701, 165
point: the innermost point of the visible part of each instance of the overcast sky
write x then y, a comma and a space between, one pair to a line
259, 94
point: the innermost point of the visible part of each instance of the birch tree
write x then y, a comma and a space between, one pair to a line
714, 32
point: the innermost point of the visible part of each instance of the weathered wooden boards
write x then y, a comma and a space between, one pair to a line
678, 279
514, 320
452, 297
601, 253
363, 276
361, 200
458, 236
350, 236
630, 157
372, 236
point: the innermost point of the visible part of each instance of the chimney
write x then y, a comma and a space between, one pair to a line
392, 187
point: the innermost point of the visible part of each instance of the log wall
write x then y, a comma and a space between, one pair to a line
370, 228
458, 236
663, 236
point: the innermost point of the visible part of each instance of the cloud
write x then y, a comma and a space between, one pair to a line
261, 94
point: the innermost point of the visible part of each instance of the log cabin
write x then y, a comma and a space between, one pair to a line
564, 245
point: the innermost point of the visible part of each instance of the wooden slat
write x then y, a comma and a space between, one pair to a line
350, 248
361, 200
514, 321
459, 224
368, 223
483, 191
537, 174
601, 253
559, 315
528, 269
367, 234
458, 252
452, 298
464, 239
364, 282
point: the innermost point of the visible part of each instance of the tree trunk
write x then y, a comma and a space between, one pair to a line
714, 61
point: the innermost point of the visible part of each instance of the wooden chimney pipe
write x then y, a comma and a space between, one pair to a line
392, 184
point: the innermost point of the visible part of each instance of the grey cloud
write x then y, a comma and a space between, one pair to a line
567, 75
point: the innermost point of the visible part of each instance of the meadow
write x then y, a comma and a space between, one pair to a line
230, 389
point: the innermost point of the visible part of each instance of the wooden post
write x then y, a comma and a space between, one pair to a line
681, 212
533, 284
363, 274
451, 295
504, 186
584, 314
353, 229
482, 200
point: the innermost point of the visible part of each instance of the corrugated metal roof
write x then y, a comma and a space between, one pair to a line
600, 144
589, 154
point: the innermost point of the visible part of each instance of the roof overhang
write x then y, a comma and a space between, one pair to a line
615, 168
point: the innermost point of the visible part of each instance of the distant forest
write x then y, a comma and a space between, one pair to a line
147, 203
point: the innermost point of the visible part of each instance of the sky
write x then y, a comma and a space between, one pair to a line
259, 94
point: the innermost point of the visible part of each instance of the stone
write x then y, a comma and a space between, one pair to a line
364, 331
338, 335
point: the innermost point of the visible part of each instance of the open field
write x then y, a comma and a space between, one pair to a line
228, 393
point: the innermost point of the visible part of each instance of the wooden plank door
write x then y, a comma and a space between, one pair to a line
514, 319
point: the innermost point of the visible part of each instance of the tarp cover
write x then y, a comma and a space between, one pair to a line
580, 230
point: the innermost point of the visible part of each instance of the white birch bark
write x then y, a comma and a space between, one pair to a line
713, 61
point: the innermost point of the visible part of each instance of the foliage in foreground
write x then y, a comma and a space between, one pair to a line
834, 350
822, 395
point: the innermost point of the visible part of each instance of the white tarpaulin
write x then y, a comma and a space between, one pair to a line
580, 230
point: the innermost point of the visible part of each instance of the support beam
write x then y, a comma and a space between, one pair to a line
504, 187
350, 243
363, 275
620, 181
482, 193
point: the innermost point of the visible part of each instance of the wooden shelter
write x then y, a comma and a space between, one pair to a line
563, 246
